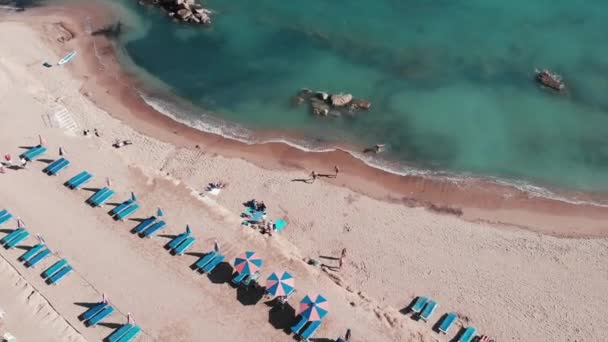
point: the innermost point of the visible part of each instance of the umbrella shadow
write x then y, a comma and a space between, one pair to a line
110, 325
25, 248
6, 231
91, 189
27, 147
138, 220
249, 295
196, 255
328, 257
282, 317
322, 339
221, 274
85, 305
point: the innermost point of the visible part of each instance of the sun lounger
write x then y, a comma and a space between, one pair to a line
202, 262
250, 279
152, 229
120, 332
34, 153
184, 245
3, 212
298, 326
56, 169
99, 201
30, 253
97, 195
38, 258
121, 207
144, 224
447, 322
17, 239
80, 181
100, 316
131, 334
312, 328
76, 178
429, 308
419, 304
11, 235
54, 268
238, 278
5, 217
52, 280
53, 164
92, 311
177, 241
213, 264
125, 213
467, 335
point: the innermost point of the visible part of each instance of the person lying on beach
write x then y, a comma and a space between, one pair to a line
119, 143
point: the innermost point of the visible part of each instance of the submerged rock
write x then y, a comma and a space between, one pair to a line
324, 104
183, 10
339, 100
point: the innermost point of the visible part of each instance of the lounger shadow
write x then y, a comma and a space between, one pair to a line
249, 296
221, 274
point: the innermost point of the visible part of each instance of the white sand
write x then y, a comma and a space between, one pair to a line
511, 284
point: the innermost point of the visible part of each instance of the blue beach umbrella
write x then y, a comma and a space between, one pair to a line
247, 263
133, 198
159, 212
279, 224
314, 308
280, 284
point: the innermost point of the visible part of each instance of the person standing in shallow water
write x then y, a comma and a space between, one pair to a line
313, 176
337, 170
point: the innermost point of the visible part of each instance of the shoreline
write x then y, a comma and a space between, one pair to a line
116, 91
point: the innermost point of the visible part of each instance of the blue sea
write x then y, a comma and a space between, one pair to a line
451, 82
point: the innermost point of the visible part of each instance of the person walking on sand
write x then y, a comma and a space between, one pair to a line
23, 163
341, 259
337, 170
313, 175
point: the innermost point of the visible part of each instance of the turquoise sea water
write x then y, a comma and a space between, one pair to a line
451, 82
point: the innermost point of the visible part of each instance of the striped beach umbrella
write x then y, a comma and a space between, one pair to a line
280, 284
247, 263
314, 308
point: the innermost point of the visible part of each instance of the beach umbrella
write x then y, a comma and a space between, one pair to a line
130, 319
20, 223
279, 224
159, 212
40, 239
133, 198
216, 246
8, 158
188, 231
280, 284
247, 263
104, 298
108, 182
314, 308
61, 151
41, 140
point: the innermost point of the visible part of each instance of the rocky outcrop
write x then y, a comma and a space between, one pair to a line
324, 104
183, 10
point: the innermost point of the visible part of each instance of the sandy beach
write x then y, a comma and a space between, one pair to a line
516, 268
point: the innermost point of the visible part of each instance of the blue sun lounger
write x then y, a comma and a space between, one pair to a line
121, 207
92, 311
96, 195
30, 253
184, 245
153, 229
447, 322
298, 326
177, 240
312, 328
202, 262
5, 216
144, 224
467, 335
11, 235
17, 239
38, 258
131, 334
213, 264
52, 280
429, 308
99, 201
100, 316
79, 180
53, 171
125, 213
120, 332
54, 268
419, 304
33, 153
238, 278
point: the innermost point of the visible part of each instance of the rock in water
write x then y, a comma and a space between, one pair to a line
340, 100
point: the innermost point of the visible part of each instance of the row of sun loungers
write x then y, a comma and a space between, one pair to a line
424, 308
305, 334
14, 238
181, 243
33, 153
56, 166
96, 314
79, 180
125, 333
5, 216
100, 197
209, 262
148, 227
